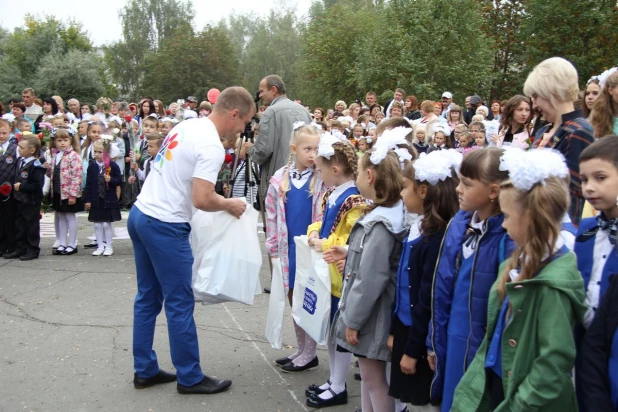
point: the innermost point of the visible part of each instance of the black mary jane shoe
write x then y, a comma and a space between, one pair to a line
70, 250
358, 376
314, 389
59, 250
283, 361
91, 245
291, 368
161, 377
337, 399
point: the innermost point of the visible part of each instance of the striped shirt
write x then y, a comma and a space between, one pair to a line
241, 187
571, 138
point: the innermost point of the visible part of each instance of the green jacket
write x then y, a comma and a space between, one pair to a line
538, 350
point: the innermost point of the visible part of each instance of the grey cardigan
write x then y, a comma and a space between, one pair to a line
369, 288
272, 147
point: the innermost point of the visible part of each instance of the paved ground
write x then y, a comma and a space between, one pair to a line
65, 339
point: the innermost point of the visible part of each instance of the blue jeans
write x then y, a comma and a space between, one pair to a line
164, 261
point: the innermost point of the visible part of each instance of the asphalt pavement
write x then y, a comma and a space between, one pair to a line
66, 336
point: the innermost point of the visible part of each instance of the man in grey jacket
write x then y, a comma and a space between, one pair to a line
272, 147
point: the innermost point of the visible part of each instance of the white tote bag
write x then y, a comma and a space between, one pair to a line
276, 307
311, 301
227, 257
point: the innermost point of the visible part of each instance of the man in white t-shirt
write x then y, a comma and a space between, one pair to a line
182, 179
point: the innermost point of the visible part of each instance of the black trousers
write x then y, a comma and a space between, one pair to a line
7, 225
28, 228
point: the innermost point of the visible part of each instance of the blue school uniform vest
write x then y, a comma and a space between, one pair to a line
330, 212
402, 298
298, 214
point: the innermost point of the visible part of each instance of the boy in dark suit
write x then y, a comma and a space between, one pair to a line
28, 194
8, 162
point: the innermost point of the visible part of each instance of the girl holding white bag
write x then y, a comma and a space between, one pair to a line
342, 206
292, 204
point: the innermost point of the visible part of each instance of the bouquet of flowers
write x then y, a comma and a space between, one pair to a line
107, 144
46, 130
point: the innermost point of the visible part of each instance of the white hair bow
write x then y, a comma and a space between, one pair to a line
603, 76
298, 125
325, 148
389, 141
528, 168
437, 166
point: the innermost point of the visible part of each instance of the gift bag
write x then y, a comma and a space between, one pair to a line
227, 257
311, 301
276, 307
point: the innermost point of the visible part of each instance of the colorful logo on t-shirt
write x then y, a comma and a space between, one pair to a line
165, 153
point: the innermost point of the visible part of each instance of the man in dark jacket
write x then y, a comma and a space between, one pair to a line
475, 102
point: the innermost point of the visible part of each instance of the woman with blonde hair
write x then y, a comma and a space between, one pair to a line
553, 87
604, 117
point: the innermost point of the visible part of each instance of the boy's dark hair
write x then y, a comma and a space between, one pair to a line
604, 148
156, 137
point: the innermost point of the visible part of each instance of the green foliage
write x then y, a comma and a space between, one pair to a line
190, 65
76, 74
145, 26
34, 55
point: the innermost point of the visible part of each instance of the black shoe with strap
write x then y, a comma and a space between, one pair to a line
283, 361
161, 377
291, 368
207, 386
337, 399
315, 389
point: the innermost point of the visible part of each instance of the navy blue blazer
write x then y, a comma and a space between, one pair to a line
91, 192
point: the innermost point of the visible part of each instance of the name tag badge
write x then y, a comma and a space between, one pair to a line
24, 175
9, 159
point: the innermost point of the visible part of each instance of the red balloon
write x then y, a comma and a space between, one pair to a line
213, 95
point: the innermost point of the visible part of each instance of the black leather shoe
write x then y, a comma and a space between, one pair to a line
28, 257
337, 399
315, 389
283, 361
290, 368
69, 250
207, 386
357, 376
161, 377
267, 290
13, 255
91, 245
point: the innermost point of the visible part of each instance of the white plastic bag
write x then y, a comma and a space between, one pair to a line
227, 257
276, 307
311, 301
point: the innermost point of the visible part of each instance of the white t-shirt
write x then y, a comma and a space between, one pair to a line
191, 150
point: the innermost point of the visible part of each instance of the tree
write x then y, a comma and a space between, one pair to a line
584, 32
145, 26
190, 65
77, 74
329, 52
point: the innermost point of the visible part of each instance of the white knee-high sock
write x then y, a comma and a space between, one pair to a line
60, 224
71, 219
300, 340
373, 373
332, 351
108, 232
338, 374
98, 232
309, 351
57, 226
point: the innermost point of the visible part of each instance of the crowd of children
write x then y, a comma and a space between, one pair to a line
458, 278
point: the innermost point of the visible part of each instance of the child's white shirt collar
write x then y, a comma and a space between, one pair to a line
332, 199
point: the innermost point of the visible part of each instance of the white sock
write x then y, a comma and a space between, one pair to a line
338, 374
107, 230
300, 339
332, 351
57, 226
71, 219
98, 232
309, 351
60, 224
